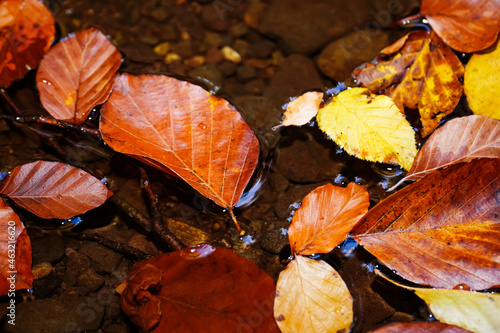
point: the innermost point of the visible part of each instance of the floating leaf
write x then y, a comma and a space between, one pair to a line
369, 126
301, 110
326, 216
199, 289
54, 190
423, 74
180, 126
15, 252
312, 297
424, 327
481, 82
465, 25
27, 29
443, 230
77, 74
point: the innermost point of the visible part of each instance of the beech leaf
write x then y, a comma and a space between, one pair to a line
15, 252
301, 110
326, 216
422, 72
77, 74
180, 126
369, 127
27, 29
312, 297
441, 231
199, 289
54, 190
424, 327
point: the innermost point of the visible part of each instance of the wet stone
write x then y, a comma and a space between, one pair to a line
245, 73
262, 49
76, 263
103, 259
47, 249
208, 75
276, 239
45, 287
89, 281
160, 14
213, 19
289, 201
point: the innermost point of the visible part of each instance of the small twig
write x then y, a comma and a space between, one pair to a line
9, 101
115, 246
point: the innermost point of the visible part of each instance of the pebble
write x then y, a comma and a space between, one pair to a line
245, 73
195, 61
172, 57
162, 48
230, 54
160, 14
41, 270
89, 281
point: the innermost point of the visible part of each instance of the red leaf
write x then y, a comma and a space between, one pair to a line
26, 31
199, 289
13, 235
433, 327
77, 74
54, 190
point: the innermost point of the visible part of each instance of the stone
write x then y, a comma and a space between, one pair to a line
47, 249
103, 259
227, 68
89, 281
231, 54
41, 270
255, 87
305, 26
245, 73
76, 263
45, 287
159, 14
213, 19
289, 201
209, 76
262, 48
141, 242
238, 29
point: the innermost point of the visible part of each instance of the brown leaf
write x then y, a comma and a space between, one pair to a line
54, 190
15, 252
443, 230
77, 74
425, 327
301, 110
465, 25
326, 216
26, 31
423, 74
182, 127
199, 289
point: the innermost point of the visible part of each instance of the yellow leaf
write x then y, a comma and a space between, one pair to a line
312, 297
301, 110
370, 127
482, 78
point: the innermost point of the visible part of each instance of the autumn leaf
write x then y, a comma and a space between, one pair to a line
77, 74
301, 110
180, 126
481, 82
54, 190
442, 230
312, 297
423, 327
465, 25
199, 289
26, 31
15, 252
421, 72
326, 216
369, 126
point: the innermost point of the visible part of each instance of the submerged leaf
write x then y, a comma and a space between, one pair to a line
424, 327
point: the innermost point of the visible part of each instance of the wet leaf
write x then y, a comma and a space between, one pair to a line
312, 297
199, 289
443, 230
26, 31
77, 74
326, 216
187, 234
301, 110
459, 140
481, 82
369, 127
465, 25
180, 126
422, 73
15, 252
424, 327
54, 190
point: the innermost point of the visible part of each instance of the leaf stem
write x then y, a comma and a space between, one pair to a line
241, 231
9, 101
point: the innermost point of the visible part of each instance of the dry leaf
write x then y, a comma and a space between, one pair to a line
441, 231
326, 216
312, 297
301, 110
423, 74
369, 127
424, 327
77, 74
481, 82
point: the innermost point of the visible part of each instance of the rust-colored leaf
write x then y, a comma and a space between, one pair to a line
424, 327
54, 190
26, 31
199, 289
77, 74
443, 230
182, 127
301, 110
465, 25
423, 74
15, 253
326, 216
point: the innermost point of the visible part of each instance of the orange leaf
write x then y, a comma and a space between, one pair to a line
200, 137
326, 216
301, 110
77, 74
26, 31
54, 190
443, 230
199, 289
15, 252
465, 25
424, 74
432, 327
